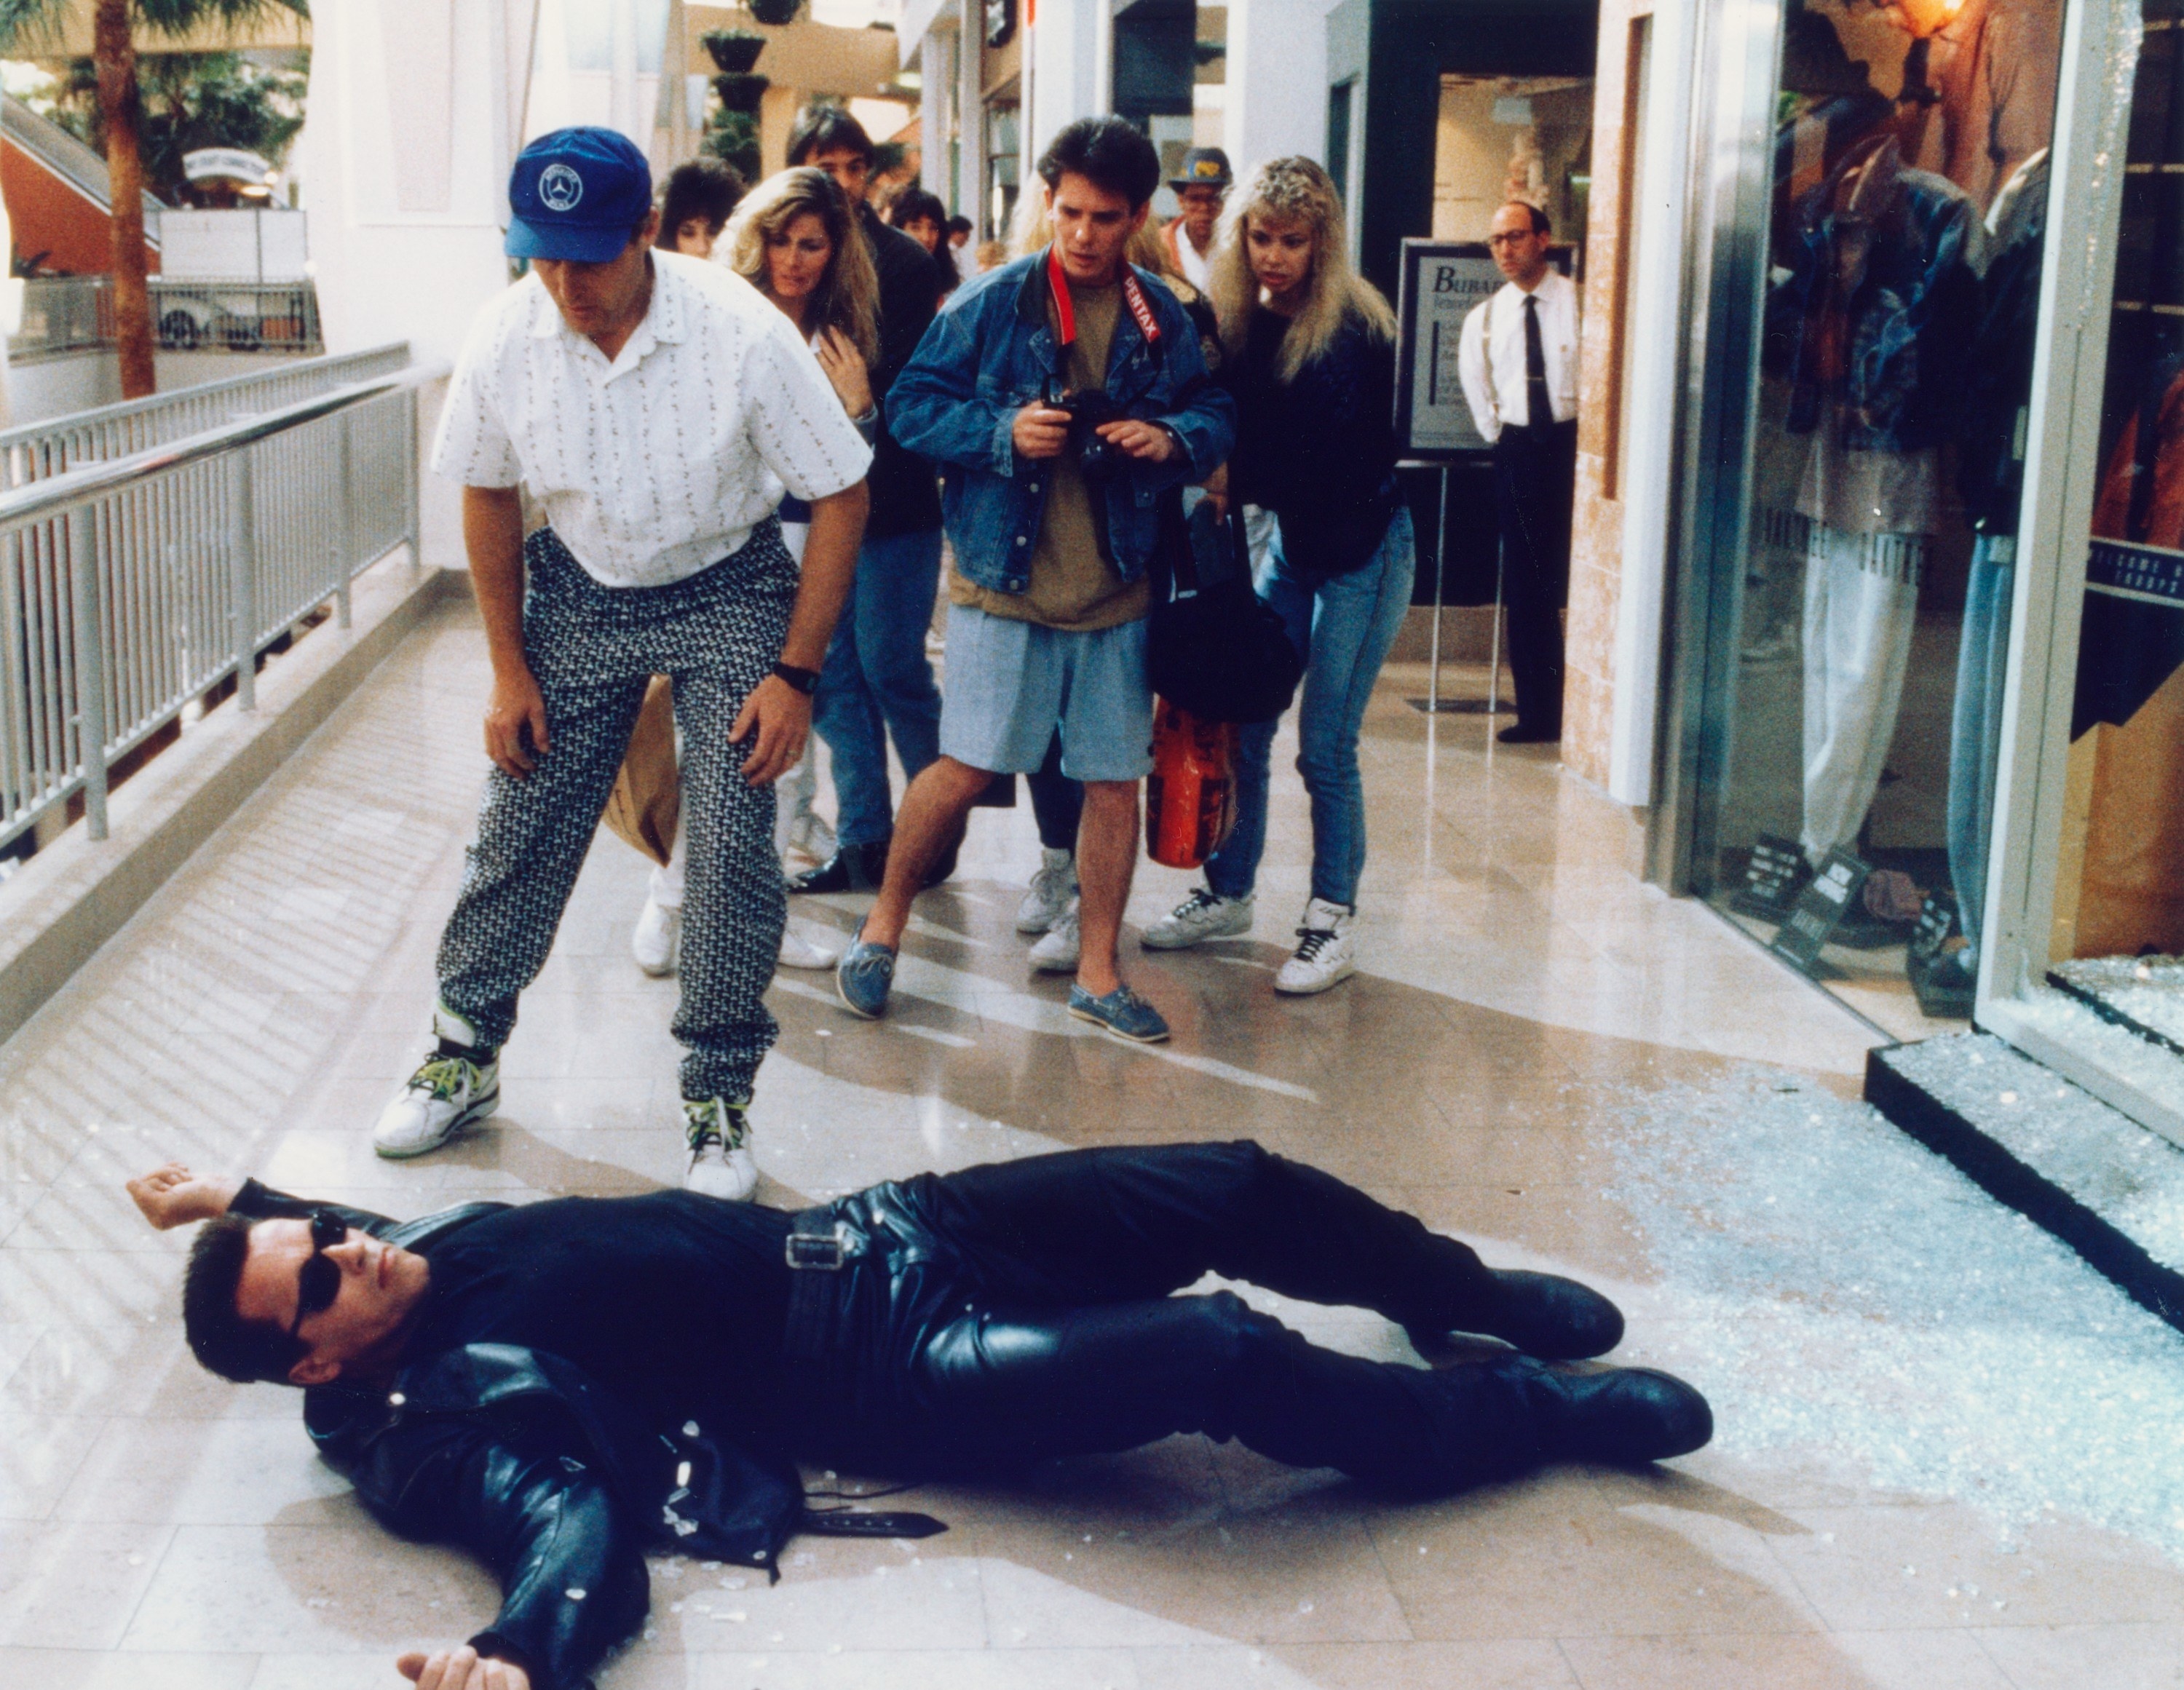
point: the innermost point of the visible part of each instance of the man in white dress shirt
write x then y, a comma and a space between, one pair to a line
1519, 360
656, 406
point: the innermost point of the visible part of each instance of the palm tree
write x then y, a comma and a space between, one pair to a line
23, 24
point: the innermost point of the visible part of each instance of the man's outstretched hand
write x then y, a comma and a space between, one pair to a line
462, 1668
172, 1196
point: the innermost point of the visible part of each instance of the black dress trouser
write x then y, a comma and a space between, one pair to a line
1534, 486
1024, 1310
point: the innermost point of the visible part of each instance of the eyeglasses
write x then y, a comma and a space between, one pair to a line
318, 1282
1510, 240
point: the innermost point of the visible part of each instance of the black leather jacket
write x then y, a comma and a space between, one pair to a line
554, 1483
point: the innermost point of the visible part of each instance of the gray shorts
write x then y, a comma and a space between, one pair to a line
1009, 685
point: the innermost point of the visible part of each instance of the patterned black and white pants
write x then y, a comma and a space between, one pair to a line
593, 649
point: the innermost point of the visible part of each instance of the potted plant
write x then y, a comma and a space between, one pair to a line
735, 51
775, 12
741, 92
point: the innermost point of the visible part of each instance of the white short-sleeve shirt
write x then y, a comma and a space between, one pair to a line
661, 462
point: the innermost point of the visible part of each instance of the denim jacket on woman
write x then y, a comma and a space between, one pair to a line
989, 353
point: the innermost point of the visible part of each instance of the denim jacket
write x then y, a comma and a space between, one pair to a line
989, 353
1912, 313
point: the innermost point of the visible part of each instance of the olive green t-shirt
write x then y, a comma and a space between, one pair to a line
1072, 586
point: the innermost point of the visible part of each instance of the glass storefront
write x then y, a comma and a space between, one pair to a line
1854, 682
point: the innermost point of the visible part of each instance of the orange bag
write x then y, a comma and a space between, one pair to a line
1190, 796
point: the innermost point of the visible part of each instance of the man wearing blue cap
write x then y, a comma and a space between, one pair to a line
657, 407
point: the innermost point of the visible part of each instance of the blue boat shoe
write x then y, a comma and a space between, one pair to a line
1122, 1012
862, 978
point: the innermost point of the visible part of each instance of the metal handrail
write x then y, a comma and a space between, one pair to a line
72, 489
131, 585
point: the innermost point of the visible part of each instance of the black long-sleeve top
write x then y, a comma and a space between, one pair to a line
1318, 451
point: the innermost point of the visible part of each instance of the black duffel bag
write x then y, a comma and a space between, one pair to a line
1213, 646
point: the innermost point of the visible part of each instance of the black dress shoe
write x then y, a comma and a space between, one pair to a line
1545, 1315
1624, 1416
1521, 735
854, 868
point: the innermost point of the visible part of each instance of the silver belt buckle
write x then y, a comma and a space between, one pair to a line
824, 1253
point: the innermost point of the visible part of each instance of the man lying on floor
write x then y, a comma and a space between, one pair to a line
562, 1386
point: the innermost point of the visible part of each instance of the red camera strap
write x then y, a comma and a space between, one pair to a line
1065, 309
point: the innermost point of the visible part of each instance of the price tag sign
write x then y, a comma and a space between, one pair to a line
1820, 908
1772, 880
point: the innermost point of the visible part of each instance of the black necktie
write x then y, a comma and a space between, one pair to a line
1538, 412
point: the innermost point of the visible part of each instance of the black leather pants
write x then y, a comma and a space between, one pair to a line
1025, 1311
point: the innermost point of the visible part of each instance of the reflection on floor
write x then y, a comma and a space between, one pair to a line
1541, 1054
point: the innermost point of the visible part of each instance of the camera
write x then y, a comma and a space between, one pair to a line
1097, 460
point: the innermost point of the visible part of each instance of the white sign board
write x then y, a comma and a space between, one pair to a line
234, 246
1441, 281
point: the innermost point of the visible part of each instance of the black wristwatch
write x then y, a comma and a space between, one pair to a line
804, 681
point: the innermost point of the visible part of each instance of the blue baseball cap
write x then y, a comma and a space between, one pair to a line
578, 194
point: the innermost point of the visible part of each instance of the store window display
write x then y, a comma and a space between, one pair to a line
1907, 224
2120, 888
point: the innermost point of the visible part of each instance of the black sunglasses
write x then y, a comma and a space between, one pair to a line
318, 1282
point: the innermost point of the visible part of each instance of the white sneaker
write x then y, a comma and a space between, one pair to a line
719, 1136
658, 938
1057, 953
810, 833
797, 952
1051, 889
445, 1095
1326, 952
1205, 915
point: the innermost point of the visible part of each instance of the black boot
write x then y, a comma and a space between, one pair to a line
1623, 1415
1543, 1314
853, 868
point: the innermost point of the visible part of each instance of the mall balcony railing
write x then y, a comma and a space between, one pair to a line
74, 314
136, 579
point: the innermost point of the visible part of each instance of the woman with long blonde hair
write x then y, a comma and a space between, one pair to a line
795, 238
1310, 358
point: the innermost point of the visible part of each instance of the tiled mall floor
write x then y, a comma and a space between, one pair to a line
164, 1532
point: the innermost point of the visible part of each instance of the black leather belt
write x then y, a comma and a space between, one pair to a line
820, 1245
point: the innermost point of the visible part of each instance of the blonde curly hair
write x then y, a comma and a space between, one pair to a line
1294, 190
848, 296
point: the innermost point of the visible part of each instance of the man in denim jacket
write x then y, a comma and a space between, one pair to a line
1061, 394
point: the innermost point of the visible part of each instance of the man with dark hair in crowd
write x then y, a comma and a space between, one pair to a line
695, 204
563, 1385
877, 680
922, 217
1052, 508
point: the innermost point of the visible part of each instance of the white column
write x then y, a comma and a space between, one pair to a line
1068, 56
621, 74
1276, 99
1654, 327
970, 106
936, 67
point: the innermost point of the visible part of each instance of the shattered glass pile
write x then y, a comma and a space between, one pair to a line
1840, 1289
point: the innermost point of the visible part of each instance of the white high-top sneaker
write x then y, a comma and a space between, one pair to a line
445, 1095
1058, 953
658, 938
1326, 952
718, 1132
1051, 889
1205, 915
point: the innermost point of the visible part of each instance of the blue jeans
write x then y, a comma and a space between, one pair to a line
877, 682
1975, 731
1344, 627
